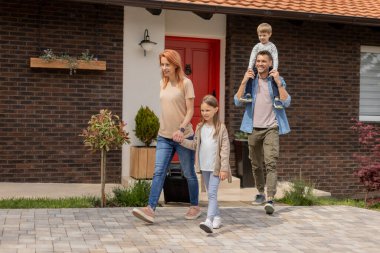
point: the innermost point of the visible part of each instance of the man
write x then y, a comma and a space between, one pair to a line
264, 124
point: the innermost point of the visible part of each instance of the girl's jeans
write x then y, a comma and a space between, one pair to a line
165, 151
212, 184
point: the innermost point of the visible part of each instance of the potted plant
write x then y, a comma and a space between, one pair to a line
105, 132
242, 161
143, 157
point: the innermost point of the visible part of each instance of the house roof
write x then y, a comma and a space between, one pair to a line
358, 12
352, 8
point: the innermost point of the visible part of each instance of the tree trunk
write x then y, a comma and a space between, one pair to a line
103, 156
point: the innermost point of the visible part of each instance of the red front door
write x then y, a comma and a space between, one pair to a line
201, 62
200, 59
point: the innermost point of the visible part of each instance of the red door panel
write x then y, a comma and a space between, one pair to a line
201, 79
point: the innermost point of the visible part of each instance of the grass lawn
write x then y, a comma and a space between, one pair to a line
301, 194
23, 203
349, 202
135, 195
122, 200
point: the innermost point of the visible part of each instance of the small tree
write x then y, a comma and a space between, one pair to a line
147, 125
369, 157
105, 132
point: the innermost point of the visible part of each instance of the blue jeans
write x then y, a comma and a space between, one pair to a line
165, 151
212, 184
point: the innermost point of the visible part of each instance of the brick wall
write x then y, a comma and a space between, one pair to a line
44, 110
320, 63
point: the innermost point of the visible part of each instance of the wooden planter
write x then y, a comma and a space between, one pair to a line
63, 64
142, 162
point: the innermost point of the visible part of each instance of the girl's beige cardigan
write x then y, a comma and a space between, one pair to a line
222, 159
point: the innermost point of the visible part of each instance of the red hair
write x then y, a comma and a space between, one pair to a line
173, 58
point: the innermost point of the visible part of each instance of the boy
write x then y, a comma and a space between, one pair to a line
264, 32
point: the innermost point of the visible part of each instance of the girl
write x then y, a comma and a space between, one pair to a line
177, 107
212, 151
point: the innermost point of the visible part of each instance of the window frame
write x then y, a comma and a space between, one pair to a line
375, 50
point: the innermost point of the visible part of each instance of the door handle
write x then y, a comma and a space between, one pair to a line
188, 70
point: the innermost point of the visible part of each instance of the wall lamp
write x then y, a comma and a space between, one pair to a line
146, 44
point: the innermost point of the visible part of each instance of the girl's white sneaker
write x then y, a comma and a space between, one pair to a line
217, 222
206, 226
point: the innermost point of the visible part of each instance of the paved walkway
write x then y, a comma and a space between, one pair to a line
246, 229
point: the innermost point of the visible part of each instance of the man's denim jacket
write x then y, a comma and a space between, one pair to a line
247, 122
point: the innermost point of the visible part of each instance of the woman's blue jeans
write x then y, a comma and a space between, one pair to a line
165, 151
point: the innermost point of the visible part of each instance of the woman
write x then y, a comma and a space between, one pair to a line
177, 108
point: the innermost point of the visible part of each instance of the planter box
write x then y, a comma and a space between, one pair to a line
142, 162
63, 64
243, 164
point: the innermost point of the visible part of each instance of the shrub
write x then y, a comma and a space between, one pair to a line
299, 194
147, 125
239, 135
369, 159
135, 195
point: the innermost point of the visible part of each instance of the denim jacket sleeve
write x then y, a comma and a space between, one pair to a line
287, 101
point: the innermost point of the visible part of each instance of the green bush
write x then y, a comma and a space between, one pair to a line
375, 206
300, 194
135, 195
147, 125
241, 135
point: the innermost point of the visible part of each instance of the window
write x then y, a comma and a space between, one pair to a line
369, 84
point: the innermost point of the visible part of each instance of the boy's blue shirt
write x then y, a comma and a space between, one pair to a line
282, 120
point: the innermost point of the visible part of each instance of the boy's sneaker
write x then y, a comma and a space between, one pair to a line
259, 200
206, 226
146, 214
246, 99
269, 207
193, 213
217, 222
278, 103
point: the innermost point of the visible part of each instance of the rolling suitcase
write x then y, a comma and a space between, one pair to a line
175, 185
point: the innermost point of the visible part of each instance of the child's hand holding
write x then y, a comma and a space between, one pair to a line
223, 175
178, 136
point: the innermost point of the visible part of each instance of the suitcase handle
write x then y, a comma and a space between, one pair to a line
175, 172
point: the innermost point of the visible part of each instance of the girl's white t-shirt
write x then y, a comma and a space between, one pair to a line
207, 149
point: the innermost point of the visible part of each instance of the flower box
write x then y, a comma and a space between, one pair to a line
64, 64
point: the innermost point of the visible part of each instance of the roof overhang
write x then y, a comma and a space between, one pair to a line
213, 9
